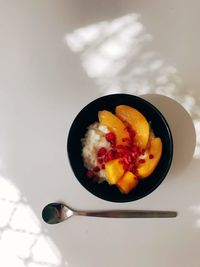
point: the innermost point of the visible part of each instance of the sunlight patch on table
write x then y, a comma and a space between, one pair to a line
23, 242
197, 149
8, 191
24, 219
118, 55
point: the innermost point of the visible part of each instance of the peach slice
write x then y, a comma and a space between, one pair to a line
114, 171
127, 182
114, 124
137, 121
155, 151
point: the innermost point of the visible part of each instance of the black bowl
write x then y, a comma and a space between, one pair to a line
89, 115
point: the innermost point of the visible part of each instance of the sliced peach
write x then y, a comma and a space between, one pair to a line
151, 162
114, 124
127, 182
137, 121
114, 171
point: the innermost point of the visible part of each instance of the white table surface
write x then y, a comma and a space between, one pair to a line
57, 56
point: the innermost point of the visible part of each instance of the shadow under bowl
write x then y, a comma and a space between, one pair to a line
89, 115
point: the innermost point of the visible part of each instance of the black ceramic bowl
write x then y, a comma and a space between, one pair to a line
89, 115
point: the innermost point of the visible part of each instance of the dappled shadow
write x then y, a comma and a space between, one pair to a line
23, 241
119, 57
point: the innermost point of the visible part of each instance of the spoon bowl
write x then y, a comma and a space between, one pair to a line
56, 212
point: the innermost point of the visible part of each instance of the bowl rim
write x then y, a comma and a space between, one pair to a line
169, 162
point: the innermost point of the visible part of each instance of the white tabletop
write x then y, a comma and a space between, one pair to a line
57, 56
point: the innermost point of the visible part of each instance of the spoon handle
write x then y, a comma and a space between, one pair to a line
129, 214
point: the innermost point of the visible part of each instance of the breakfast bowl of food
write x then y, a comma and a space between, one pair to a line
120, 147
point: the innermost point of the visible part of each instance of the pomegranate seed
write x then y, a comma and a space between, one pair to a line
121, 161
127, 153
129, 159
133, 170
132, 134
112, 145
142, 161
120, 147
95, 178
135, 148
127, 166
100, 161
106, 159
135, 156
101, 152
126, 140
126, 161
103, 166
119, 155
124, 166
111, 155
110, 137
151, 156
136, 178
127, 148
96, 169
90, 174
127, 129
130, 167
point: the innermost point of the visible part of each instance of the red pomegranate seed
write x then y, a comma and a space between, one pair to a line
106, 159
111, 155
119, 155
95, 178
135, 156
132, 134
129, 158
135, 148
110, 137
126, 161
127, 152
90, 174
127, 148
121, 161
96, 169
126, 140
136, 178
112, 144
151, 156
119, 147
130, 167
127, 129
126, 167
103, 166
100, 161
142, 161
101, 152
134, 170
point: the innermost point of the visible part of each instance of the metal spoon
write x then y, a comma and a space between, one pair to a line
57, 212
